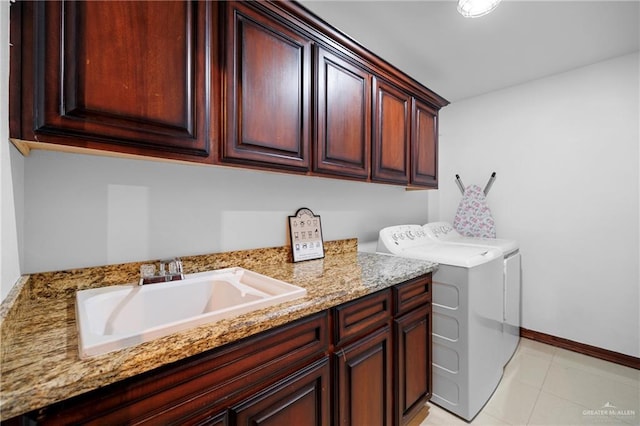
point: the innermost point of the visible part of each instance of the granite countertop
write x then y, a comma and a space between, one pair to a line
39, 361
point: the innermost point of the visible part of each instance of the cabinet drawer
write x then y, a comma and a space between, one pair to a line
412, 294
356, 318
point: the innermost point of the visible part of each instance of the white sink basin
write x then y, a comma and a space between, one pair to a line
116, 317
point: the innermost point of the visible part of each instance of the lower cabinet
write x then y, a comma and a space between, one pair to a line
382, 355
413, 350
364, 381
413, 379
365, 362
301, 399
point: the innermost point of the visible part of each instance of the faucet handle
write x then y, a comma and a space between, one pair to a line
175, 266
147, 270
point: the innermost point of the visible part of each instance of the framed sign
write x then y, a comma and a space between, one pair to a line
306, 235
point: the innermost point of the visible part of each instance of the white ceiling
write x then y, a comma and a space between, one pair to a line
460, 57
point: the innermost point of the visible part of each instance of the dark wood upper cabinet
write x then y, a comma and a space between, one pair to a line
268, 88
343, 117
124, 76
261, 84
391, 133
424, 146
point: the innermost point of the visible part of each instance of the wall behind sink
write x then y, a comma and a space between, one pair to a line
83, 210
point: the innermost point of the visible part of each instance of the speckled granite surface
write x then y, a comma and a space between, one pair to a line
39, 362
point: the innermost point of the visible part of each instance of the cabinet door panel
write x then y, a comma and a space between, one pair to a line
125, 73
391, 134
413, 381
424, 134
343, 118
301, 400
269, 88
364, 381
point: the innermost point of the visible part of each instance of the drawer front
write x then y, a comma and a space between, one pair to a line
355, 319
412, 294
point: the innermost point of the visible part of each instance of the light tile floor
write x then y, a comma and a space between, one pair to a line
545, 385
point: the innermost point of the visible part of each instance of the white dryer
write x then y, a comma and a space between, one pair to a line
443, 232
467, 316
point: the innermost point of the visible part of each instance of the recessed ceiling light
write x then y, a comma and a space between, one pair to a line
476, 8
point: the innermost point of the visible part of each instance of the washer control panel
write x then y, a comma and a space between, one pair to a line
440, 230
396, 238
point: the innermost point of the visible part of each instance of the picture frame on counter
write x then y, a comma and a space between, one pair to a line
305, 232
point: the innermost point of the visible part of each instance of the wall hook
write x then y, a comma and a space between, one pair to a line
486, 188
460, 184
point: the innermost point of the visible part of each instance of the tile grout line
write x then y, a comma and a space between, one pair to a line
546, 374
534, 407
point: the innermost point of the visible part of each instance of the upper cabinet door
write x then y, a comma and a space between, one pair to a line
391, 134
132, 75
268, 67
343, 118
424, 146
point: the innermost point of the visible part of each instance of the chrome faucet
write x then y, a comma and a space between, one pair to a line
170, 270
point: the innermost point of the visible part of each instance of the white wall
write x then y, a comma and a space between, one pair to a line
565, 149
84, 210
11, 172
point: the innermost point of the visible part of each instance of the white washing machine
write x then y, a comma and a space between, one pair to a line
467, 316
512, 278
